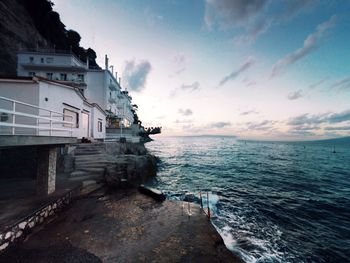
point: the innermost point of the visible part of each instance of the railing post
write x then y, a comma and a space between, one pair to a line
50, 123
71, 127
208, 204
13, 117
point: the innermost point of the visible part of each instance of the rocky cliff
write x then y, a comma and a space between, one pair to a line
32, 24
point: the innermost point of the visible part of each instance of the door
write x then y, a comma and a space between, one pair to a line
85, 120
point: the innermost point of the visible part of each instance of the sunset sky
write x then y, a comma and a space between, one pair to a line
256, 69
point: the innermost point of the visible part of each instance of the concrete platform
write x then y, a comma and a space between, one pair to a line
7, 141
125, 227
18, 198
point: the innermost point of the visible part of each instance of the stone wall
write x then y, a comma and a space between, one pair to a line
23, 227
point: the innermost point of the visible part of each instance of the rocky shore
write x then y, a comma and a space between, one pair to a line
124, 226
114, 222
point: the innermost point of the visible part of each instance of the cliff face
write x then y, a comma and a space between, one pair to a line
32, 24
16, 30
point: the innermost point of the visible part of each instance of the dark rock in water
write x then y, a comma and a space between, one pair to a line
191, 198
152, 192
130, 170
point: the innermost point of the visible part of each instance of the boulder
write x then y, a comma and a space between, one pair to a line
130, 170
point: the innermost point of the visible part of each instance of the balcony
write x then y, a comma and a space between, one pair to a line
112, 87
112, 100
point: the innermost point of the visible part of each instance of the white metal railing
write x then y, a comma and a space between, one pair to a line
42, 123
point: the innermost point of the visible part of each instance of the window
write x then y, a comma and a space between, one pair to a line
49, 60
71, 116
31, 74
42, 60
81, 77
99, 125
49, 75
63, 76
31, 59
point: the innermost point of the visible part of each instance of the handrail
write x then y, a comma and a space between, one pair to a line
30, 105
206, 209
49, 120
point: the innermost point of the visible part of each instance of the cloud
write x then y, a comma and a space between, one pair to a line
185, 112
250, 62
293, 7
302, 132
219, 125
339, 117
318, 83
269, 15
179, 59
183, 121
343, 83
195, 86
135, 74
253, 32
179, 71
339, 128
295, 95
307, 119
306, 127
248, 112
311, 43
260, 126
229, 13
190, 87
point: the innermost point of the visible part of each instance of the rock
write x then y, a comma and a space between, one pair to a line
8, 235
152, 192
131, 170
19, 233
3, 246
22, 225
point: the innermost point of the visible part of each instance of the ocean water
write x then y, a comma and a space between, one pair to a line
272, 201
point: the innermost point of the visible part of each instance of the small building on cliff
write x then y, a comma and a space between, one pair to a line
71, 114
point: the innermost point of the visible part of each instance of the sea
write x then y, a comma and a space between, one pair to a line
270, 201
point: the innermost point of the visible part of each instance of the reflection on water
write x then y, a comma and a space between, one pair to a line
276, 202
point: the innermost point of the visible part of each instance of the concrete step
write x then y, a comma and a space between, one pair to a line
102, 147
92, 160
86, 177
87, 153
77, 174
92, 170
90, 157
87, 171
91, 164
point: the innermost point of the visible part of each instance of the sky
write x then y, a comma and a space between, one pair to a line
255, 69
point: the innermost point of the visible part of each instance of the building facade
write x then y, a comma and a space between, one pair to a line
98, 85
51, 99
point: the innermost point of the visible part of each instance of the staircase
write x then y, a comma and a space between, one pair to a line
90, 162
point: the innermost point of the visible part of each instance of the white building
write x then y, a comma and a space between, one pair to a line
98, 85
52, 99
